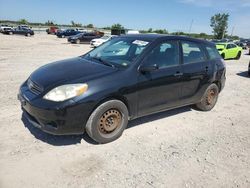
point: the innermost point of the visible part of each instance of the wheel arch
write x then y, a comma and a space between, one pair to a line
114, 97
218, 83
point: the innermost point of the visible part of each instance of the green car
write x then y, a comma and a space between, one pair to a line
229, 50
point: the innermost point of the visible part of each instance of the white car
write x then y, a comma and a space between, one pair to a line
4, 27
97, 42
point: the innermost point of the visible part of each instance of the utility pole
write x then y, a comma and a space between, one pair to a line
232, 31
190, 27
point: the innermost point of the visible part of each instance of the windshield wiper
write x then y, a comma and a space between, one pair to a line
102, 61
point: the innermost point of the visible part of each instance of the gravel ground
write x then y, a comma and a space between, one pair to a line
177, 148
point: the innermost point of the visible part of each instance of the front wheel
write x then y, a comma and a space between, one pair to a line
11, 33
77, 41
28, 34
108, 121
209, 99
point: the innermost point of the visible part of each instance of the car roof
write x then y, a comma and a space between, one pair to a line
152, 37
224, 43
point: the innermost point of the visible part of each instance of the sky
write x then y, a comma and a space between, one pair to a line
172, 15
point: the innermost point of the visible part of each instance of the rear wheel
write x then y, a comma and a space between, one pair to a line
77, 41
209, 99
63, 36
28, 34
11, 33
238, 55
108, 121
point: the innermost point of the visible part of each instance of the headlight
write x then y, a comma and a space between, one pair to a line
64, 92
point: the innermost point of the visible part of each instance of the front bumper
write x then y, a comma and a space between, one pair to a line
67, 120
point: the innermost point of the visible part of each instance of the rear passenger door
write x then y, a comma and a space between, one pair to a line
194, 70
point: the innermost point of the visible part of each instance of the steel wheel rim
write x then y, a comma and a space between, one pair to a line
110, 121
211, 96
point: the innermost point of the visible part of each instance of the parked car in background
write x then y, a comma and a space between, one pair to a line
5, 28
103, 89
248, 45
229, 50
20, 31
84, 37
67, 33
24, 26
97, 42
243, 45
52, 30
82, 30
249, 69
133, 32
2, 27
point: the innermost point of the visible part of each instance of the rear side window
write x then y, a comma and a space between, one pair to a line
212, 53
229, 46
192, 53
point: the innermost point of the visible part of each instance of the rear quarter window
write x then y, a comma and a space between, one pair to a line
212, 53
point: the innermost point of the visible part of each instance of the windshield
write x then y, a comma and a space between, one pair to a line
78, 35
118, 51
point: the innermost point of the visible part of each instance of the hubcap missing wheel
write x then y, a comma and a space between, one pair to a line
211, 96
110, 121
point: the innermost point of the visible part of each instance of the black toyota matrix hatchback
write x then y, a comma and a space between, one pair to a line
125, 78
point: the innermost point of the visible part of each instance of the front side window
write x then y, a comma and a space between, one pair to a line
192, 52
119, 51
165, 54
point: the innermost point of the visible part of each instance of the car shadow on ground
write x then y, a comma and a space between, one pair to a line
243, 74
63, 140
157, 116
55, 140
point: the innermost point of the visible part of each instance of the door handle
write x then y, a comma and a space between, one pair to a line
178, 74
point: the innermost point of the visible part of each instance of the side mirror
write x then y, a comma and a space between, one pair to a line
148, 68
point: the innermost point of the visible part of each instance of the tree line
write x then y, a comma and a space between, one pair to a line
218, 23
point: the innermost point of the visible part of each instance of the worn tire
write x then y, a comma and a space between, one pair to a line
205, 104
94, 121
238, 55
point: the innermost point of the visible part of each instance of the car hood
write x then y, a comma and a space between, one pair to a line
75, 70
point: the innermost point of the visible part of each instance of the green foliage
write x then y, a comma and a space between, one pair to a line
74, 24
117, 26
50, 23
90, 26
159, 31
23, 21
219, 24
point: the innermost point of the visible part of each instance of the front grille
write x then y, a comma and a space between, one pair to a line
35, 88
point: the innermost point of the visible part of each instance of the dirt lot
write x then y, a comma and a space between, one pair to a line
177, 148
